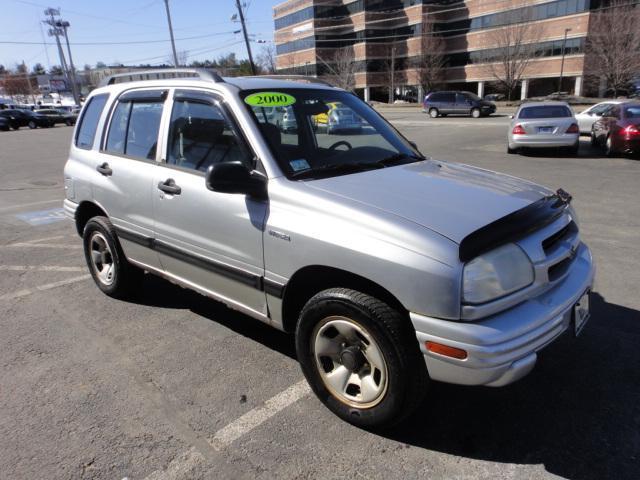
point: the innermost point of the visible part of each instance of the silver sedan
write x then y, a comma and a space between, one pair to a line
543, 125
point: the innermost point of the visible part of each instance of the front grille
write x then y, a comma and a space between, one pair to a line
549, 242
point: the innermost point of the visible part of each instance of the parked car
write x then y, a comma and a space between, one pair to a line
391, 269
58, 116
459, 103
26, 118
343, 120
494, 97
288, 122
4, 124
543, 125
587, 117
617, 130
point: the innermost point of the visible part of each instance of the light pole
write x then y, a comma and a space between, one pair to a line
564, 42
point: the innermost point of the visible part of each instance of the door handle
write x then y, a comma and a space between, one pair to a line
169, 186
104, 169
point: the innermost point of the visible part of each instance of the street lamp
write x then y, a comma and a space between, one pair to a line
564, 43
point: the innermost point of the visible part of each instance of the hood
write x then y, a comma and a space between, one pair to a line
453, 200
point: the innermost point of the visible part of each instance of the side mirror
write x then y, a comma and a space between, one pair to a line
512, 117
235, 177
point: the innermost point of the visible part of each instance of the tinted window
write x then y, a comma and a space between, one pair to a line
436, 97
89, 121
462, 98
448, 98
200, 136
546, 111
134, 129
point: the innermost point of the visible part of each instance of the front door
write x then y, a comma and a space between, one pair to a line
211, 240
124, 171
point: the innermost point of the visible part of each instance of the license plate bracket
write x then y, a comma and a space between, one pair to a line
581, 313
545, 129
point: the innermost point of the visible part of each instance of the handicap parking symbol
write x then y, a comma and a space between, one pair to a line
42, 217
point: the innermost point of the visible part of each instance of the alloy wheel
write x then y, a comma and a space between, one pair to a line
101, 258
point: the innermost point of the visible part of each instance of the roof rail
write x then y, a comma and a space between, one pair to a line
163, 73
294, 78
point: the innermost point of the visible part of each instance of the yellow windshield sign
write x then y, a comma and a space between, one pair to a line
269, 99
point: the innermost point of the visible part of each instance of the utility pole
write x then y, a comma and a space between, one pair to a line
564, 42
72, 69
246, 37
173, 42
55, 32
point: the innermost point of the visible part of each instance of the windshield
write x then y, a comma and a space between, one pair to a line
473, 96
545, 111
315, 133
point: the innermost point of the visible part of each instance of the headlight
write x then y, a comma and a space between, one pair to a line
496, 274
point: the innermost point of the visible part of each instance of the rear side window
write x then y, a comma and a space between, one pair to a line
545, 111
134, 128
632, 111
89, 122
435, 97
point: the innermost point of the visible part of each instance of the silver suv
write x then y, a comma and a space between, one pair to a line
393, 270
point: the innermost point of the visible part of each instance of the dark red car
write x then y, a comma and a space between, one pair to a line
618, 129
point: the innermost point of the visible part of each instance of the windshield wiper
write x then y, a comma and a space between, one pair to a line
336, 168
399, 159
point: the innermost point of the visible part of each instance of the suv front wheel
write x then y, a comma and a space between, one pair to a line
360, 357
475, 112
110, 270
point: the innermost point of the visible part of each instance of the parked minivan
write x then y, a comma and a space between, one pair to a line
392, 270
456, 103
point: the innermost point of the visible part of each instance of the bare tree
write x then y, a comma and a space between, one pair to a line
342, 68
182, 55
515, 48
613, 45
267, 58
18, 84
431, 61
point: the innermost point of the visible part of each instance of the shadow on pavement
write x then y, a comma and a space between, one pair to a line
577, 413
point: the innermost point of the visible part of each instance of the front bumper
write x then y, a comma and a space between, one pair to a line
544, 141
502, 348
69, 208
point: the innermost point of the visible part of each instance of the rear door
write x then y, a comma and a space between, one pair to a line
125, 168
463, 104
210, 239
448, 103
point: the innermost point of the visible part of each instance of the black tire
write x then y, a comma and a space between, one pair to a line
32, 124
511, 151
15, 127
68, 123
609, 151
434, 113
125, 278
594, 140
406, 374
574, 149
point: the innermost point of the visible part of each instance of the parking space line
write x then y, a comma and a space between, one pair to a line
45, 239
39, 268
254, 418
23, 205
178, 468
37, 245
46, 286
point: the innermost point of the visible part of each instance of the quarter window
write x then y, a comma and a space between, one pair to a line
89, 121
134, 129
200, 136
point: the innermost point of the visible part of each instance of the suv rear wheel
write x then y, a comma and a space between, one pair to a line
475, 112
360, 357
32, 124
433, 112
110, 270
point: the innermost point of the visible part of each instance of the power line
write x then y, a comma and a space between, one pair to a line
135, 42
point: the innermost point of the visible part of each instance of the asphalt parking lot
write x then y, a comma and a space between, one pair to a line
173, 385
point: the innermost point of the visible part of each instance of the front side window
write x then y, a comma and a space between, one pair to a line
201, 136
324, 132
89, 121
134, 128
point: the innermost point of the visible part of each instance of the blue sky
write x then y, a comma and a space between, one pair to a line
125, 21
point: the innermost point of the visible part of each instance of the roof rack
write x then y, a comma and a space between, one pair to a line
163, 73
294, 78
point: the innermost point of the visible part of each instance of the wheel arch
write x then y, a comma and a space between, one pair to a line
309, 280
85, 212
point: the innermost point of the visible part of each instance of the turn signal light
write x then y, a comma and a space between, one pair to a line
518, 130
446, 350
573, 129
